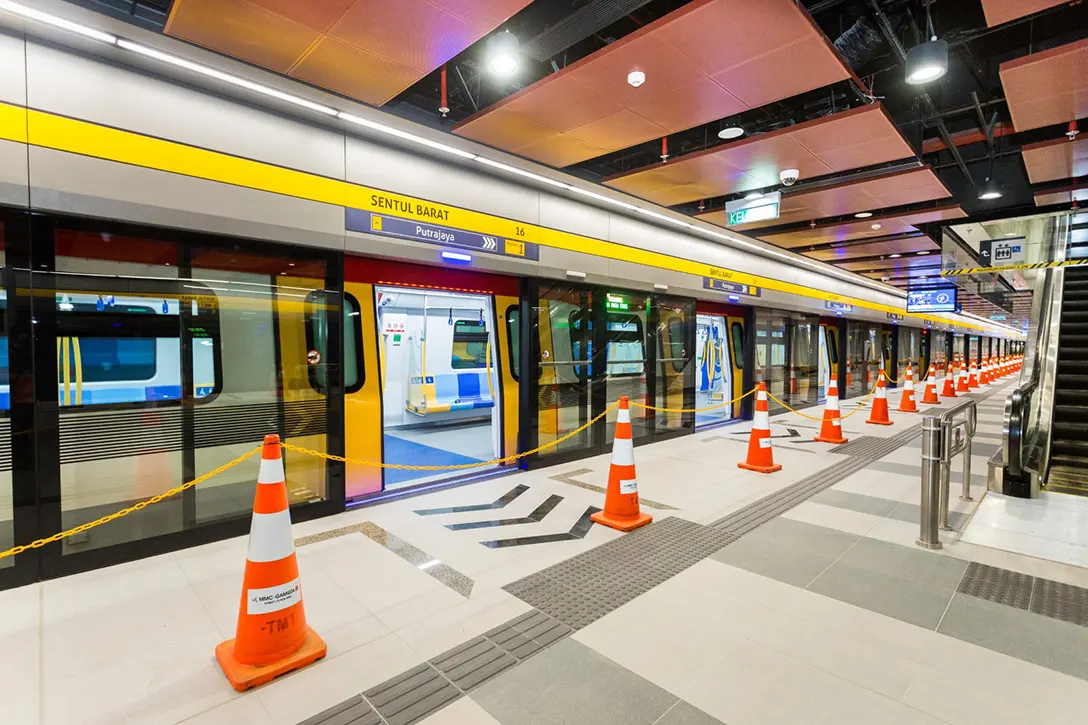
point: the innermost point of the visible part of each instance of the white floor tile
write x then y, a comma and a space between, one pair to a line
462, 712
244, 710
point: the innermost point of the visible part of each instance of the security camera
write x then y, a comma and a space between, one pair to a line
789, 177
885, 279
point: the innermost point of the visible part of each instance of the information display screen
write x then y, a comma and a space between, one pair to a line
940, 299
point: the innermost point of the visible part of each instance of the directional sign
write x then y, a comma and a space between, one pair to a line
732, 287
746, 211
996, 252
357, 220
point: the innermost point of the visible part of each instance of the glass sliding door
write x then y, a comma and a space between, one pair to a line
676, 365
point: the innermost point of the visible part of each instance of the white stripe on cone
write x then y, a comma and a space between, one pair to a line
761, 420
623, 452
270, 537
624, 416
271, 471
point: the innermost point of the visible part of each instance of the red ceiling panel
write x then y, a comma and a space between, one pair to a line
1056, 159
1076, 192
1002, 11
1047, 87
707, 60
898, 224
910, 246
367, 49
857, 137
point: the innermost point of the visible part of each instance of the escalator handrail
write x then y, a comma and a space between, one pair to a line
1016, 421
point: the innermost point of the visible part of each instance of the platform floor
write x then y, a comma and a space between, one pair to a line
798, 597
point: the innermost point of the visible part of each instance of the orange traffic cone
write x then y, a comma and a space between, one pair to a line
961, 381
759, 442
906, 403
831, 429
793, 381
879, 416
972, 375
949, 389
930, 395
272, 636
621, 510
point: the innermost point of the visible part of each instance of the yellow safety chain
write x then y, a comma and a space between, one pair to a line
919, 380
694, 410
778, 400
131, 509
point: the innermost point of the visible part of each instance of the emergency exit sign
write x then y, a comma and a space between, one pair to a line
746, 211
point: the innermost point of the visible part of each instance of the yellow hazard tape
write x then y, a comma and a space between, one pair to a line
1013, 267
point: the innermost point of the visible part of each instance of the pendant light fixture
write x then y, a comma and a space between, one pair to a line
927, 61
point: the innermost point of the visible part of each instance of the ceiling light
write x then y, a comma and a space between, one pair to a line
874, 227
894, 256
636, 78
389, 130
863, 215
225, 77
989, 190
1010, 234
751, 195
922, 253
47, 19
522, 172
731, 132
927, 62
502, 53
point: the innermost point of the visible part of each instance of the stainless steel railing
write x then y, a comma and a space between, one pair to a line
943, 438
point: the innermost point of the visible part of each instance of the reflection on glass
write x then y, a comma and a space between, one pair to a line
563, 364
714, 379
675, 373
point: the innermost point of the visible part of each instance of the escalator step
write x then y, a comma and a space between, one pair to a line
1075, 415
1066, 430
1057, 459
1070, 399
1070, 447
1072, 353
1070, 381
1072, 367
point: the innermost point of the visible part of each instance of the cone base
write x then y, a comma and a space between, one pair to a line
621, 523
836, 441
912, 409
758, 469
931, 401
242, 677
879, 422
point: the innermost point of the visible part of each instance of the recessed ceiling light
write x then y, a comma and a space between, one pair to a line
753, 195
922, 253
731, 132
875, 226
863, 215
894, 256
1010, 234
636, 78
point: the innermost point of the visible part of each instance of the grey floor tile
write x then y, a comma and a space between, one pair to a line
912, 513
856, 502
685, 714
943, 572
784, 563
807, 537
895, 596
571, 683
1025, 635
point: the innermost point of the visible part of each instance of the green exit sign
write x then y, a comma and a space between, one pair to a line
757, 209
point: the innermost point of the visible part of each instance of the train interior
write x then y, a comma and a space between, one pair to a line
440, 382
714, 376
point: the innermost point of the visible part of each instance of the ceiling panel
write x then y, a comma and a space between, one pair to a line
912, 245
858, 137
1002, 11
370, 50
1067, 195
889, 224
707, 60
1056, 159
1048, 87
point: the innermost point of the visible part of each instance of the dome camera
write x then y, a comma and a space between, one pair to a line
885, 279
789, 177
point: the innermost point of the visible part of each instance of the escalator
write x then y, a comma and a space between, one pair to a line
1069, 444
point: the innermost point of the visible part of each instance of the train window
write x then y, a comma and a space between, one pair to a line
738, 344
469, 345
624, 352
513, 338
114, 359
317, 339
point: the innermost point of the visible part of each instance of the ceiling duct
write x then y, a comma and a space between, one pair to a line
579, 25
860, 43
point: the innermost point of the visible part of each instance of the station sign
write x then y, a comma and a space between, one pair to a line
735, 288
998, 318
996, 252
357, 220
838, 306
746, 211
938, 299
895, 316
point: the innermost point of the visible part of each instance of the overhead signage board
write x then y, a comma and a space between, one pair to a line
357, 220
735, 288
997, 318
939, 299
996, 252
746, 211
895, 316
838, 306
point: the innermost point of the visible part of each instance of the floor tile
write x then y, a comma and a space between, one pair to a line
913, 563
571, 683
905, 599
244, 710
784, 563
684, 714
855, 502
905, 715
807, 537
669, 647
1047, 642
464, 711
832, 517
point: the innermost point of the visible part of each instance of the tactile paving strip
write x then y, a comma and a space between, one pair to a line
588, 586
1042, 596
353, 711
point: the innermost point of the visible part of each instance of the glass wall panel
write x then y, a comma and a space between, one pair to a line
787, 356
626, 318
563, 349
7, 507
676, 365
858, 337
910, 353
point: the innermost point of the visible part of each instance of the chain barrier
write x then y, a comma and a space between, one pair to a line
861, 406
131, 509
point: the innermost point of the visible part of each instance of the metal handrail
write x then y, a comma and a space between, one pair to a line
941, 442
1015, 423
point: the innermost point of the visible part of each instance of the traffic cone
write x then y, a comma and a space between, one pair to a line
793, 381
972, 375
930, 394
272, 637
906, 403
949, 389
984, 372
759, 442
621, 510
831, 429
961, 381
879, 416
